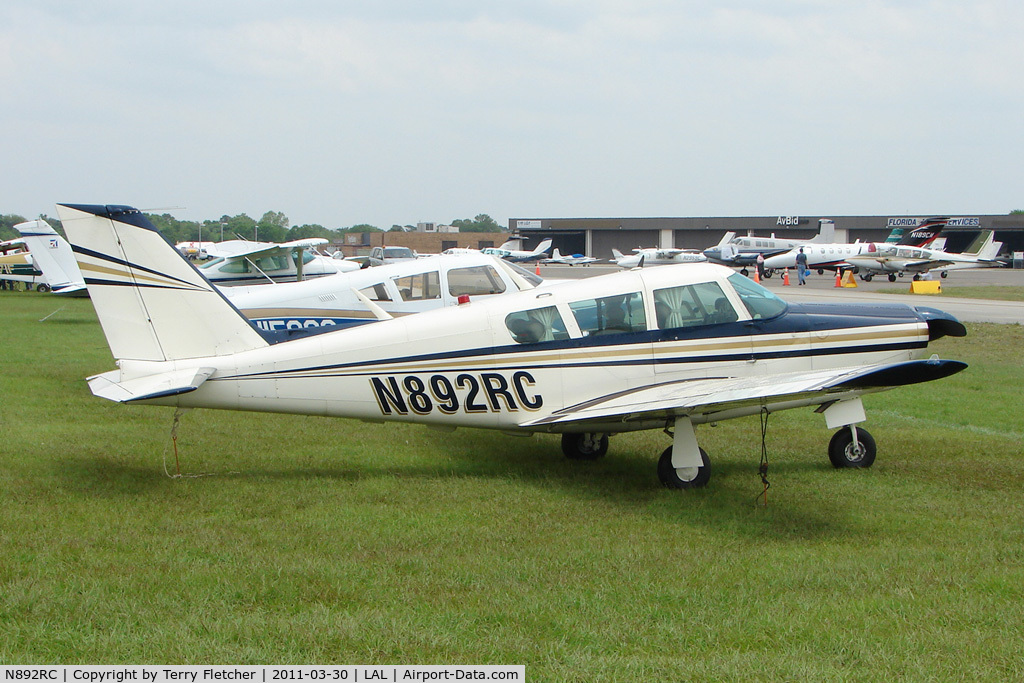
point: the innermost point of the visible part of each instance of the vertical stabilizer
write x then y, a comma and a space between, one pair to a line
152, 303
53, 256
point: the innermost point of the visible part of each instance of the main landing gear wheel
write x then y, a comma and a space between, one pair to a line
586, 446
686, 477
892, 277
843, 452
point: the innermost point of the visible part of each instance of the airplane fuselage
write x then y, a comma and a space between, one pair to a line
463, 366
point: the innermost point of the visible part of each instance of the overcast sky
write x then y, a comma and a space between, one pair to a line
398, 111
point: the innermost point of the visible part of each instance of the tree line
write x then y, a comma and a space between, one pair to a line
273, 226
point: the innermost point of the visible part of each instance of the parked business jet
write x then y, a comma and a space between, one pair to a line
837, 255
664, 348
742, 252
507, 252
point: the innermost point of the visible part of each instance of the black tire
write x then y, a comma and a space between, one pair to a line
43, 287
943, 274
821, 271
892, 277
585, 446
841, 451
670, 476
867, 277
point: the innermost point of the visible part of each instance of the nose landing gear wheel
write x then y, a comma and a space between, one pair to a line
586, 446
843, 452
686, 477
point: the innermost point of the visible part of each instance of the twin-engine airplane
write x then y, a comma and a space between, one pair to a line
666, 348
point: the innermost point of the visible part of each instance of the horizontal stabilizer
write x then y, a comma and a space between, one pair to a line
110, 386
710, 396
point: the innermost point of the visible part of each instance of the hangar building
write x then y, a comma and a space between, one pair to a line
597, 236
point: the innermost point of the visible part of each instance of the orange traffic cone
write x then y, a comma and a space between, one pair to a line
538, 269
785, 278
757, 276
839, 278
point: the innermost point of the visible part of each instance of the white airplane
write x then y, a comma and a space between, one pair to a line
51, 254
741, 252
16, 265
381, 292
571, 260
656, 257
836, 255
507, 252
238, 262
894, 260
665, 348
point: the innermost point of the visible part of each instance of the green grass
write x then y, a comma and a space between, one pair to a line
996, 292
333, 541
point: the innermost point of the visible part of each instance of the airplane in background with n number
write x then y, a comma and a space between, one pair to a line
666, 348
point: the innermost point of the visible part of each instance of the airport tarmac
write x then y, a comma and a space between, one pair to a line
822, 288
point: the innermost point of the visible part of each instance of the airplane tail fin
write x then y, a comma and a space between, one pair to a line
616, 254
984, 246
542, 247
152, 303
826, 232
924, 234
726, 238
556, 254
53, 256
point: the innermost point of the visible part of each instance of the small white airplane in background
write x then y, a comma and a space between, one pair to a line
507, 252
894, 260
52, 255
656, 257
238, 262
378, 293
661, 348
571, 260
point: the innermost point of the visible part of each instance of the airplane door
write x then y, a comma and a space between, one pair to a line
700, 329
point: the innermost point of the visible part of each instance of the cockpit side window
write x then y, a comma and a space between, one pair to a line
610, 314
760, 303
475, 281
540, 324
692, 305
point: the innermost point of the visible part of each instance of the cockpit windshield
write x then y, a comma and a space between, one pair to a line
760, 303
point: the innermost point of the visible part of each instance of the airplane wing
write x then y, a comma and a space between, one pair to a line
717, 396
264, 249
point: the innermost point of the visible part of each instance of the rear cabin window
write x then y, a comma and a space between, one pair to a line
692, 305
474, 281
420, 286
540, 324
611, 314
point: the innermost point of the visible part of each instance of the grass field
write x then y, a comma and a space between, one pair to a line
333, 541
